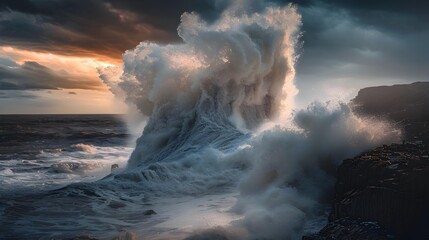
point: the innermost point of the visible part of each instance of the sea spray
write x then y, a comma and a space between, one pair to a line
206, 96
292, 171
207, 100
221, 153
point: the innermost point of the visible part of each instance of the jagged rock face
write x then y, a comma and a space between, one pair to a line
405, 105
389, 184
408, 102
351, 229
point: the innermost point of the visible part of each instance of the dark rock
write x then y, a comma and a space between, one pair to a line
389, 185
149, 212
114, 167
405, 105
346, 228
405, 102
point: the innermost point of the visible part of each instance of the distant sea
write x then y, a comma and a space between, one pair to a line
41, 152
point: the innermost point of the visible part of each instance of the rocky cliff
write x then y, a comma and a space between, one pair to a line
400, 103
384, 193
387, 187
389, 184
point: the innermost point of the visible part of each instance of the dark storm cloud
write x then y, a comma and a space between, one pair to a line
34, 76
16, 94
100, 27
350, 44
365, 39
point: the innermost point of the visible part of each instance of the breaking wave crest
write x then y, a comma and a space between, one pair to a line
219, 109
208, 100
226, 78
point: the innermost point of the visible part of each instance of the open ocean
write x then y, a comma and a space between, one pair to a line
224, 153
56, 182
41, 152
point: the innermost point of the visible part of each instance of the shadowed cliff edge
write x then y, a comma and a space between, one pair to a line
382, 194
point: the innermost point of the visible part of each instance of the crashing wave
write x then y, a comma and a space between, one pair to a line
224, 79
209, 101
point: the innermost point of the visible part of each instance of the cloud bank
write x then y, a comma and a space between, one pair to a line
34, 76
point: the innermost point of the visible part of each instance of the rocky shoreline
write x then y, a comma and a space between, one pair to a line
383, 193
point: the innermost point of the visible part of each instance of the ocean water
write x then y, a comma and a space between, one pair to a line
56, 182
222, 154
42, 152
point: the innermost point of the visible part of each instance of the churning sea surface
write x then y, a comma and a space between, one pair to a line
43, 152
56, 182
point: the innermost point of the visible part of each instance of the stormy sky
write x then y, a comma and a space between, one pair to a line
50, 49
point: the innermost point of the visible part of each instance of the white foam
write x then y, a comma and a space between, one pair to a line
218, 125
60, 168
219, 114
6, 172
85, 147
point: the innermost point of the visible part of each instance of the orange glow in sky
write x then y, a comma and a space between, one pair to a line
80, 100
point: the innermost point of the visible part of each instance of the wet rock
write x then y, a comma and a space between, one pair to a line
114, 167
404, 105
405, 102
388, 185
346, 228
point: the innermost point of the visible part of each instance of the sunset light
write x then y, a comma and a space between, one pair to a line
214, 119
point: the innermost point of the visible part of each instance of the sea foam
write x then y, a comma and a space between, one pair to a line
220, 140
219, 113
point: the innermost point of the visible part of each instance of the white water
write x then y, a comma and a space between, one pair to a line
58, 168
222, 153
219, 108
